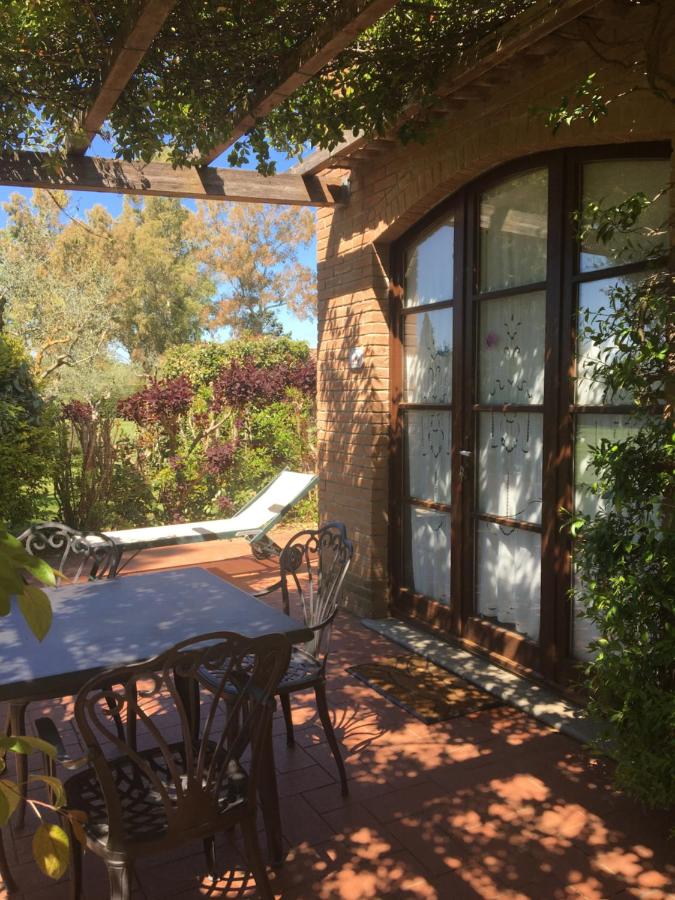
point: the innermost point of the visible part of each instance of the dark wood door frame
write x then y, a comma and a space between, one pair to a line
550, 657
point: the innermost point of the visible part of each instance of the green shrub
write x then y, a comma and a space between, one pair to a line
202, 362
220, 423
625, 554
26, 440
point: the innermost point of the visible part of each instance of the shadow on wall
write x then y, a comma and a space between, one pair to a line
353, 414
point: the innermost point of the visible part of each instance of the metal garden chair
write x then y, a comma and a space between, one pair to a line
142, 802
72, 553
312, 569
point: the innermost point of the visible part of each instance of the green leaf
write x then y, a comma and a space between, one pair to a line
50, 849
41, 570
36, 610
11, 583
8, 540
57, 790
9, 799
23, 744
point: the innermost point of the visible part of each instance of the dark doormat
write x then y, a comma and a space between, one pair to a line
426, 691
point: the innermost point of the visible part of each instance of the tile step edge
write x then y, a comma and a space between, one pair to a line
535, 699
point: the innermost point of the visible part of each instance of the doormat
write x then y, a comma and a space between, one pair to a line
426, 691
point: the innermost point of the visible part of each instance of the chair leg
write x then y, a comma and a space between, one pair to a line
324, 715
75, 851
5, 871
288, 718
255, 860
119, 875
210, 854
17, 726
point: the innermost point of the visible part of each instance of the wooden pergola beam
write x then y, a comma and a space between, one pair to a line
145, 22
91, 173
324, 45
504, 44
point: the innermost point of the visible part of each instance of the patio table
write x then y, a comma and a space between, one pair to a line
127, 620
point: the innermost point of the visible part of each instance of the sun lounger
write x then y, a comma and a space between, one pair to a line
252, 522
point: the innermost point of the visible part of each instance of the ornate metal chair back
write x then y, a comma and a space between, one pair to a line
170, 792
313, 565
69, 551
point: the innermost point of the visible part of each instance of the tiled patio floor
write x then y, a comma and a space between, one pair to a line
489, 805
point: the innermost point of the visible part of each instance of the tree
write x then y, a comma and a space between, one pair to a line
26, 443
55, 290
252, 252
75, 289
160, 296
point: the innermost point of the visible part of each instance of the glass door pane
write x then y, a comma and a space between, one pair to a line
511, 349
513, 232
428, 440
509, 401
426, 412
427, 357
610, 182
428, 557
429, 266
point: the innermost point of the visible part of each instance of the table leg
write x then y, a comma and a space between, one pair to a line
269, 800
188, 691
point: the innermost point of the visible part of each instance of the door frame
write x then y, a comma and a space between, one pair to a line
550, 656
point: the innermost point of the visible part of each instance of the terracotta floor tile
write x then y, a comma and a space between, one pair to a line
402, 802
302, 780
301, 823
489, 805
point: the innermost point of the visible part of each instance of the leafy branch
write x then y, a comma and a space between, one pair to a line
624, 553
50, 842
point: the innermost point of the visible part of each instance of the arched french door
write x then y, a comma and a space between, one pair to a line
493, 410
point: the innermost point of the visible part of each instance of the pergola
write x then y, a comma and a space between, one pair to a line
533, 36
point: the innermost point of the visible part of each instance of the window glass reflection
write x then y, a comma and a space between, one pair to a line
611, 183
513, 232
429, 267
594, 301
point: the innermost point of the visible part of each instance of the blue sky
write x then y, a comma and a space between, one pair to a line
84, 200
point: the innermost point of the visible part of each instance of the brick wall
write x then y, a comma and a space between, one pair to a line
387, 197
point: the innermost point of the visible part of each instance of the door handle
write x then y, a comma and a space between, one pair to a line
466, 453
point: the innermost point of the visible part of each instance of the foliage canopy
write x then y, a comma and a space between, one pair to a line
53, 51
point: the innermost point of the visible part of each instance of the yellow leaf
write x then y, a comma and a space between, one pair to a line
50, 849
36, 610
56, 789
21, 743
9, 799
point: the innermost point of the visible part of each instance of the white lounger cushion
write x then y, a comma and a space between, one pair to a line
283, 492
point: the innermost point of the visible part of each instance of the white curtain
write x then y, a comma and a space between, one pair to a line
511, 349
430, 553
428, 442
427, 343
508, 570
510, 449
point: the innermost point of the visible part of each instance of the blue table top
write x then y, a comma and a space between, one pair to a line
125, 620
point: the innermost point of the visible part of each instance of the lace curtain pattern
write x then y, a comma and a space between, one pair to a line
509, 444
